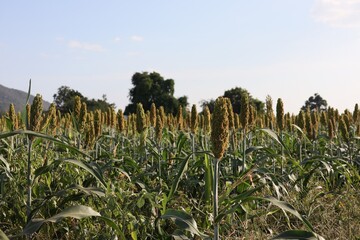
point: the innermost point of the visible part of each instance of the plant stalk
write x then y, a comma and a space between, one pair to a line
216, 198
29, 182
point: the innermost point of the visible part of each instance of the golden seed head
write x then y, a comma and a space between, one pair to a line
120, 120
220, 128
153, 115
162, 114
252, 115
28, 110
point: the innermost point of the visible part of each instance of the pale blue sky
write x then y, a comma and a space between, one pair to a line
287, 49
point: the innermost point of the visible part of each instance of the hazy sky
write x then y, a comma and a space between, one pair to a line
287, 49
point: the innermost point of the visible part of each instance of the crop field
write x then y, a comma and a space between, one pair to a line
194, 175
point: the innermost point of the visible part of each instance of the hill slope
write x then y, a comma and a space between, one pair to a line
17, 97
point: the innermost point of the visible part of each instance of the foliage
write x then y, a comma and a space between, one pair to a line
315, 102
235, 95
140, 181
153, 88
64, 100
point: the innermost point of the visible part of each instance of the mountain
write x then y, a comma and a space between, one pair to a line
17, 97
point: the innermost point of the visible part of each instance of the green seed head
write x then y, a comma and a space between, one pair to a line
331, 130
269, 112
36, 113
97, 123
207, 119
220, 128
194, 119
180, 119
52, 119
140, 118
356, 113
280, 114
231, 114
77, 107
308, 124
343, 129
82, 118
13, 117
158, 128
244, 110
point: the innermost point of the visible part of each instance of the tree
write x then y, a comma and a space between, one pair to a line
153, 88
64, 100
235, 96
315, 102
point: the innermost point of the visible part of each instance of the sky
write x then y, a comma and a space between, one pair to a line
288, 49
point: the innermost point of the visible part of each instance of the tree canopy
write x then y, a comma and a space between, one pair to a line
153, 88
64, 100
235, 96
315, 102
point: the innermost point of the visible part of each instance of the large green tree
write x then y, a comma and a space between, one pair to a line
153, 88
64, 100
315, 102
235, 96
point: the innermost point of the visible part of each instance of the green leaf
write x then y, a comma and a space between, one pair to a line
182, 170
77, 212
184, 221
287, 207
95, 172
3, 236
43, 136
253, 148
298, 234
114, 226
208, 178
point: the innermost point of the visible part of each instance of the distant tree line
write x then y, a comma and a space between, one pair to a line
151, 88
64, 100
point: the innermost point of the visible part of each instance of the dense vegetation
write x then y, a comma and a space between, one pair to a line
152, 175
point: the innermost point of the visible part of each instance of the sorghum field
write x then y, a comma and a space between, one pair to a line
151, 175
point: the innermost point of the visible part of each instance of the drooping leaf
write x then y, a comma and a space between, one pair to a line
184, 221
95, 172
77, 212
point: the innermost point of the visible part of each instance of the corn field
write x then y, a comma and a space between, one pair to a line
152, 175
